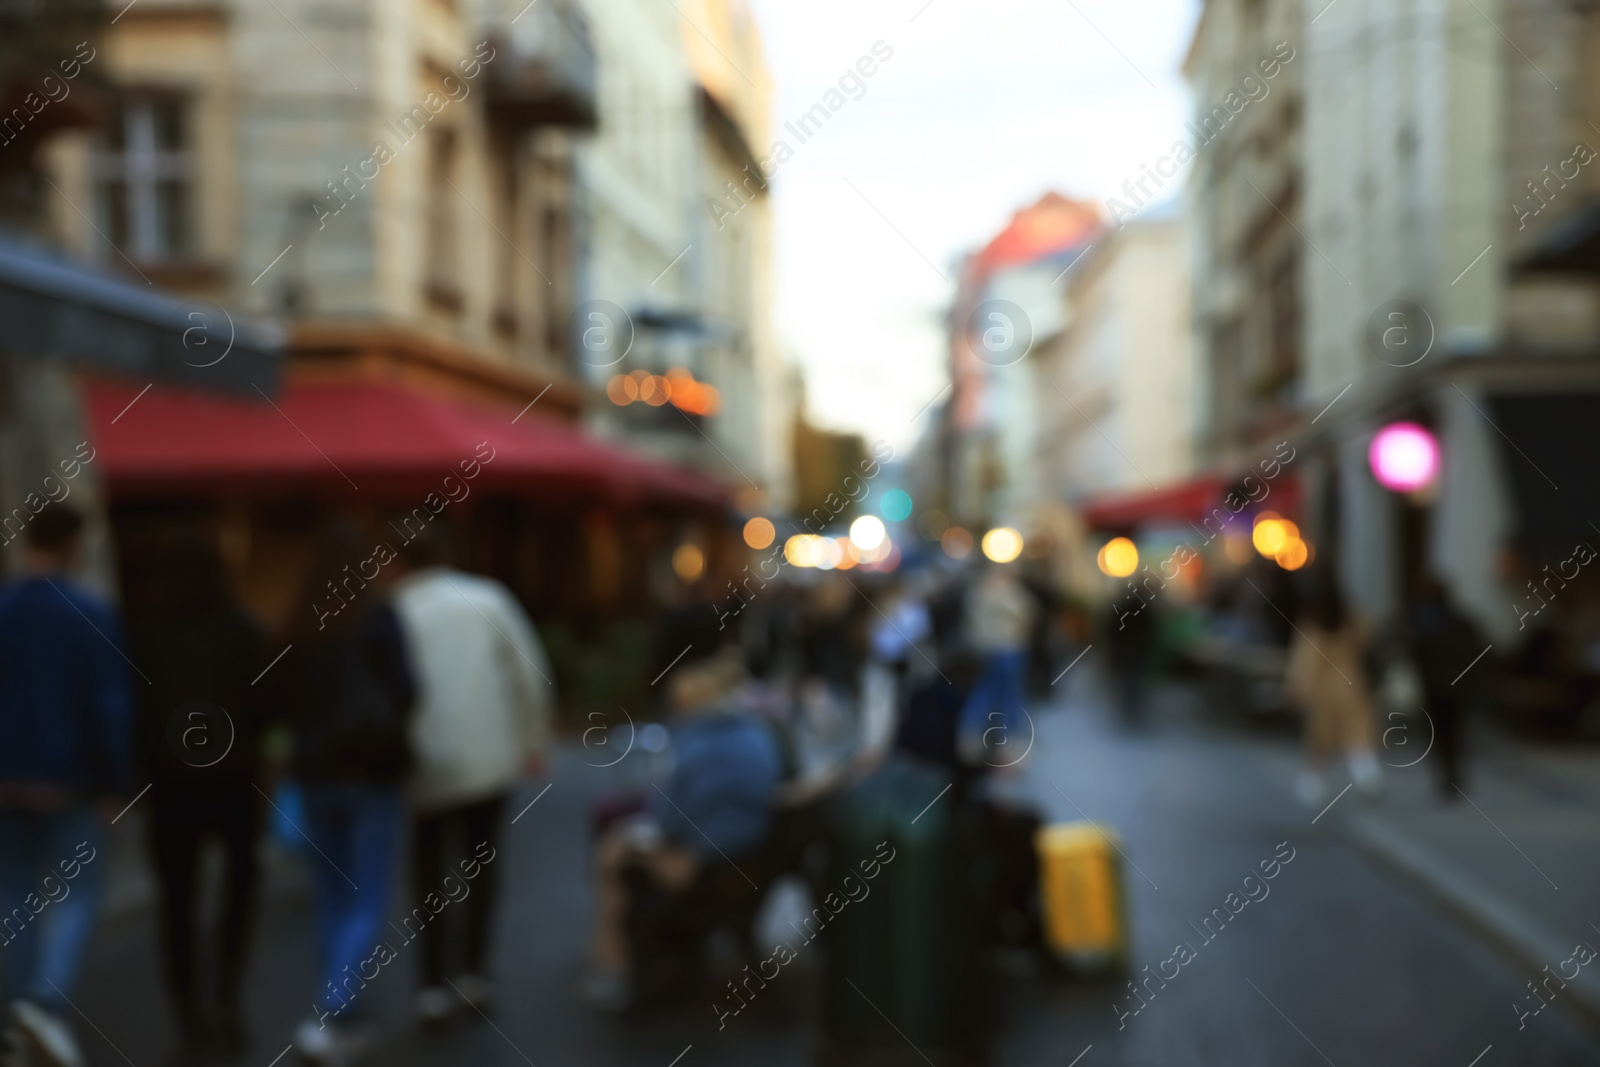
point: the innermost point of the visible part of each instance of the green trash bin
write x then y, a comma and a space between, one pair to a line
904, 961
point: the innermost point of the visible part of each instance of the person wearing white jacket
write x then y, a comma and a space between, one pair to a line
482, 719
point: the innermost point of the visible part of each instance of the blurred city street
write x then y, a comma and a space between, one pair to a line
673, 532
1360, 964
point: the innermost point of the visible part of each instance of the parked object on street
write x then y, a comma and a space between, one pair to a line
912, 949
66, 716
482, 720
1085, 909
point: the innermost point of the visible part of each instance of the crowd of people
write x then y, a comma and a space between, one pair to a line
404, 711
413, 705
420, 704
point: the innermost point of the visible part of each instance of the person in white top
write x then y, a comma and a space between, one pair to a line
482, 719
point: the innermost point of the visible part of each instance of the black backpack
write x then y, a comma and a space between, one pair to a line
368, 733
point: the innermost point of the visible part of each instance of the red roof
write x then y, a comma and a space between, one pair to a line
371, 435
1053, 224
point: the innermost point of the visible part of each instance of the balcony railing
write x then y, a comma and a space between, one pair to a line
545, 74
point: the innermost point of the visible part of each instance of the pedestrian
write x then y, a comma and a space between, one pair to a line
346, 686
200, 728
716, 808
1132, 638
484, 701
999, 620
66, 720
1442, 643
1325, 676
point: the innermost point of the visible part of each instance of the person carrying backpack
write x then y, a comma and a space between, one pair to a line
347, 688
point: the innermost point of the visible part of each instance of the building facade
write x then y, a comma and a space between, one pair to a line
678, 236
1116, 385
1437, 166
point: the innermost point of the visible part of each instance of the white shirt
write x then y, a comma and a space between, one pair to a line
484, 688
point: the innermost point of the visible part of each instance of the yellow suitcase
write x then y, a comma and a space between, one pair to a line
1080, 884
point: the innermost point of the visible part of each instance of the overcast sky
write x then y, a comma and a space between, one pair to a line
984, 106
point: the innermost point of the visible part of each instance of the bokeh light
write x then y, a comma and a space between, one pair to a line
1404, 457
1118, 557
1293, 555
1271, 533
798, 550
759, 532
826, 552
1236, 546
1002, 544
688, 562
956, 542
867, 532
896, 505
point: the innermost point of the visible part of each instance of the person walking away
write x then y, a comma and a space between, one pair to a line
346, 686
1132, 637
66, 749
716, 808
200, 727
999, 620
1442, 642
1325, 677
484, 701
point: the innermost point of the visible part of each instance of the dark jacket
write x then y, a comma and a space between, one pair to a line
66, 700
1442, 642
200, 718
349, 696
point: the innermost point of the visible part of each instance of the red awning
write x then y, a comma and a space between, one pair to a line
1178, 503
370, 435
1191, 501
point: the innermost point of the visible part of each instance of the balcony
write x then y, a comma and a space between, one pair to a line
544, 73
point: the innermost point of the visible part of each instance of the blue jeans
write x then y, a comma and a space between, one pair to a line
356, 830
46, 918
994, 705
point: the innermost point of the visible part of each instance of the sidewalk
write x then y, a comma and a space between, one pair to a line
1517, 861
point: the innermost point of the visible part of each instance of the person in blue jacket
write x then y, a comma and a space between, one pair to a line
66, 766
716, 807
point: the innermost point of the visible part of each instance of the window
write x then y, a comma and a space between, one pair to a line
443, 267
143, 173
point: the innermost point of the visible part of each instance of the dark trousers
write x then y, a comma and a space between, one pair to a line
456, 942
1449, 726
180, 824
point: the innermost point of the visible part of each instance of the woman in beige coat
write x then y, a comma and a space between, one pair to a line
1327, 681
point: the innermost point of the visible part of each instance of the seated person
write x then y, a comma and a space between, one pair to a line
716, 807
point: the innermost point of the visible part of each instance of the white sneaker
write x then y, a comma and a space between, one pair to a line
478, 991
44, 1037
332, 1044
435, 1004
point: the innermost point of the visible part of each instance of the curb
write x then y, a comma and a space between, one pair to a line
1503, 925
